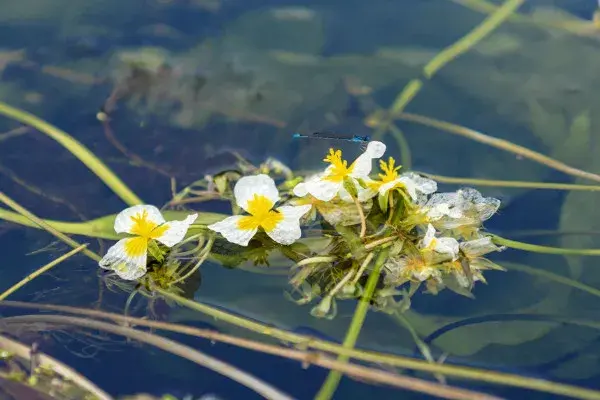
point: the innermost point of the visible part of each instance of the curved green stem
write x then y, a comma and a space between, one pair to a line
40, 271
77, 149
333, 379
513, 184
103, 227
464, 44
498, 143
477, 374
39, 223
535, 248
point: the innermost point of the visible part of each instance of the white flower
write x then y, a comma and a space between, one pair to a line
327, 185
257, 195
444, 245
128, 256
415, 185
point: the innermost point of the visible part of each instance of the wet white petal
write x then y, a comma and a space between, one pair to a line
429, 235
375, 149
322, 189
361, 167
176, 230
485, 206
444, 210
364, 194
126, 266
287, 231
230, 230
383, 189
416, 184
446, 245
478, 247
443, 245
300, 190
248, 186
426, 273
124, 221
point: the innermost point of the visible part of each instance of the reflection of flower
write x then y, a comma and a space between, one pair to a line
327, 185
128, 256
414, 184
257, 195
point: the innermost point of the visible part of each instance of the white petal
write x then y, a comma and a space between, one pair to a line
288, 230
361, 167
364, 194
383, 189
176, 230
300, 190
441, 210
248, 186
479, 247
429, 235
375, 149
446, 245
230, 230
415, 183
426, 273
323, 189
127, 267
124, 221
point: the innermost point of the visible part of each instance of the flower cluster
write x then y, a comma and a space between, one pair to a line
426, 237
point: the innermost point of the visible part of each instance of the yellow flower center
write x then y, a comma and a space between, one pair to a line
261, 215
340, 168
145, 230
390, 171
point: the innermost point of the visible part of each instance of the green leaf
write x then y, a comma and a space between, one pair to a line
383, 201
350, 187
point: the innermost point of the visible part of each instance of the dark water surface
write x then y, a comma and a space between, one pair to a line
244, 75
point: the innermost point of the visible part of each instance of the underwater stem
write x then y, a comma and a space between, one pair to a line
228, 370
535, 248
451, 52
77, 149
513, 184
203, 257
40, 271
304, 341
31, 217
333, 378
307, 358
56, 366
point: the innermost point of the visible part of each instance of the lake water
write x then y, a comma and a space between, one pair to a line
188, 81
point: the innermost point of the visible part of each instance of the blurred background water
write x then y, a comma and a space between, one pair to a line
188, 81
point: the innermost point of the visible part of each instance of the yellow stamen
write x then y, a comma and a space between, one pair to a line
146, 228
340, 168
261, 215
390, 171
